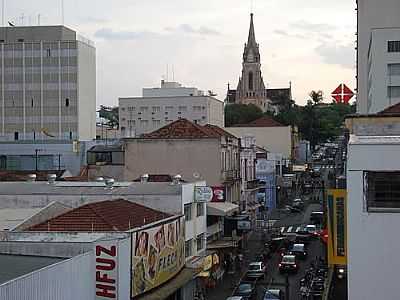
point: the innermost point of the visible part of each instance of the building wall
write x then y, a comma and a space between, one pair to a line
70, 279
183, 156
40, 90
274, 139
86, 91
144, 115
380, 80
371, 246
371, 14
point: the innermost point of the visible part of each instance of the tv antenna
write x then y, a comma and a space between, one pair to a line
62, 12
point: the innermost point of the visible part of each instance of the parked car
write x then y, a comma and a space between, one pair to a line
312, 229
246, 289
273, 294
256, 270
299, 250
288, 264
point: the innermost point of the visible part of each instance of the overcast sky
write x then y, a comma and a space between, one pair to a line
310, 43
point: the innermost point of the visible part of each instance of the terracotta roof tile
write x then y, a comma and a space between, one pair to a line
394, 109
181, 129
264, 121
220, 131
23, 175
110, 215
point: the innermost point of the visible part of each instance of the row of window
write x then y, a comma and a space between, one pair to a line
393, 69
393, 92
200, 244
33, 103
38, 69
37, 53
38, 86
393, 46
158, 108
200, 210
36, 135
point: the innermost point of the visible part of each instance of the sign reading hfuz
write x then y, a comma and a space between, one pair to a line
106, 270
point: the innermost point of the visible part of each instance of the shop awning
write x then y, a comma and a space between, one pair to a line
221, 208
224, 243
170, 287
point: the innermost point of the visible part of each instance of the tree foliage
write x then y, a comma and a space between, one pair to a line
241, 114
110, 114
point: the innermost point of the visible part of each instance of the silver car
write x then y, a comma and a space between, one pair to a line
256, 270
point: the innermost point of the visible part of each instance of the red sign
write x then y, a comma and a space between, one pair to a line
218, 194
342, 94
106, 270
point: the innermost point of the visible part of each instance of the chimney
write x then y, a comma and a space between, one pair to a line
144, 178
32, 177
51, 178
177, 179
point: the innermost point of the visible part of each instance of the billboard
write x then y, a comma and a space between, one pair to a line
157, 255
265, 172
218, 194
203, 194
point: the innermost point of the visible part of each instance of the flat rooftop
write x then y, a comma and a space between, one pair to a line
14, 266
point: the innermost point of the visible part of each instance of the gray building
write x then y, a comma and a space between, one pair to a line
47, 84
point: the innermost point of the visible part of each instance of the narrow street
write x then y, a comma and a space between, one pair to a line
274, 280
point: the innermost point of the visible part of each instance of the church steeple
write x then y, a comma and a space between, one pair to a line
252, 37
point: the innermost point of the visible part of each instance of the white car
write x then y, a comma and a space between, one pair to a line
312, 229
256, 270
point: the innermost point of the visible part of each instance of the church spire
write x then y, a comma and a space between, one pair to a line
252, 37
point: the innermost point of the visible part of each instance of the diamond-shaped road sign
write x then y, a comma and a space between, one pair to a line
342, 94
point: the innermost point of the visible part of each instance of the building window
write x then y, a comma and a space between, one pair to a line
144, 123
48, 52
16, 136
393, 46
70, 135
66, 102
188, 211
32, 102
394, 69
131, 123
250, 81
393, 91
196, 108
200, 209
156, 109
156, 123
144, 108
131, 108
382, 190
200, 241
182, 108
340, 227
169, 108
188, 248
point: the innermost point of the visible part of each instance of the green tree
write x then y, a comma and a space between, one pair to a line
316, 96
241, 114
110, 114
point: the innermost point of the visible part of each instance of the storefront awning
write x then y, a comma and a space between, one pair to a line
170, 287
221, 208
224, 243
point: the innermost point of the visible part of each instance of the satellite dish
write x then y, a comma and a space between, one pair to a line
196, 175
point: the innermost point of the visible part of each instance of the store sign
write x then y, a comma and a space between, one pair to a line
244, 225
157, 255
106, 270
218, 194
203, 194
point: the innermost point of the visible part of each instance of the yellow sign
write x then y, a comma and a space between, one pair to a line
207, 263
157, 255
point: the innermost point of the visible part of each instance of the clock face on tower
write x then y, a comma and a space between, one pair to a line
250, 57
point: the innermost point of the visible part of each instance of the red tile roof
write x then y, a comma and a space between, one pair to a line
220, 131
265, 121
182, 129
110, 215
23, 175
394, 109
158, 178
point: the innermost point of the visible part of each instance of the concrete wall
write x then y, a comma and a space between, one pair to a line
371, 14
70, 279
113, 171
183, 156
379, 78
166, 110
36, 33
49, 249
86, 91
274, 139
373, 248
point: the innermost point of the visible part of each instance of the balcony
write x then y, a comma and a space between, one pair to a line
230, 175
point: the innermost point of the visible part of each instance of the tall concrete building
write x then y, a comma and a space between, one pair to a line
161, 106
47, 84
378, 55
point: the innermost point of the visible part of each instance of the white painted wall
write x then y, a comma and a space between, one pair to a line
86, 91
373, 248
379, 80
371, 14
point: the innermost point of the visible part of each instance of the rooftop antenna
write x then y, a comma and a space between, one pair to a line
2, 12
173, 74
38, 19
22, 19
62, 12
167, 72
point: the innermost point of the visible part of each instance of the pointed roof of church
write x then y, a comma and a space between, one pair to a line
252, 36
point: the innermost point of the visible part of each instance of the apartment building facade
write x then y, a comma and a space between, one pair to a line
47, 84
161, 106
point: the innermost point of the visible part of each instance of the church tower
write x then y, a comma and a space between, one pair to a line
251, 88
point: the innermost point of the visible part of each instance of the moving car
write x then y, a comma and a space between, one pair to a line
312, 229
299, 250
273, 294
288, 264
246, 289
256, 270
316, 217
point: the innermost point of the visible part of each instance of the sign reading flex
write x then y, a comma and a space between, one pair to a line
106, 270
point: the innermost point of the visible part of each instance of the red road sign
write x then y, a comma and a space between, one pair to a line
342, 94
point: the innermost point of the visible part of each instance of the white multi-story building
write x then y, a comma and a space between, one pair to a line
47, 84
383, 69
161, 106
372, 14
373, 205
